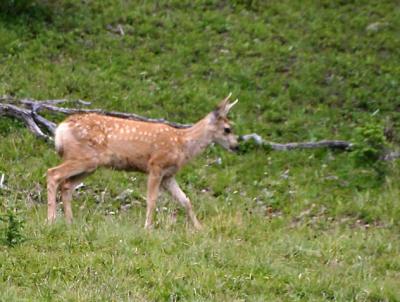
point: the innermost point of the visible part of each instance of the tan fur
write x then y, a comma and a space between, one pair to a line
89, 141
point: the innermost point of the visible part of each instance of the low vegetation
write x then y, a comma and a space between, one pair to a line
313, 225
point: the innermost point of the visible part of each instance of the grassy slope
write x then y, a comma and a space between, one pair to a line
301, 70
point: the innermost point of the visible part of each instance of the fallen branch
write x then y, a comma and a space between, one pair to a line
38, 106
333, 144
391, 155
26, 116
29, 111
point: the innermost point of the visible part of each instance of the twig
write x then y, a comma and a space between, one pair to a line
2, 181
31, 102
118, 29
121, 30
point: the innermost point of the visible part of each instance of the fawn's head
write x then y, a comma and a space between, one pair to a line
222, 131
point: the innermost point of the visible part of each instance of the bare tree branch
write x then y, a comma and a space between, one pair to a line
46, 105
28, 110
24, 115
391, 155
333, 144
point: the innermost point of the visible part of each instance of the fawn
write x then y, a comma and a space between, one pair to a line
88, 141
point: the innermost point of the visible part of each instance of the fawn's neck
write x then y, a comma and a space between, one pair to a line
197, 138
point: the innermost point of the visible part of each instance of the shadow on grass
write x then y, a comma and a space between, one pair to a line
29, 12
13, 11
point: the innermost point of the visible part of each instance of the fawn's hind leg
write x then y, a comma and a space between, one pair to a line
57, 175
172, 186
67, 188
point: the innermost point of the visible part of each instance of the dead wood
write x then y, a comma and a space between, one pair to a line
333, 144
26, 116
37, 106
29, 111
391, 155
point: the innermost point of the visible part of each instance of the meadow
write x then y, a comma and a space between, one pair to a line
304, 225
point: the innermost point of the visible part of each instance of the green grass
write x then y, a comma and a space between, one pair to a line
313, 225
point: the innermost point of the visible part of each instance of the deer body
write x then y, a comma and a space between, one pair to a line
88, 141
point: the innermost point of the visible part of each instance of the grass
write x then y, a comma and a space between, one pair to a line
279, 226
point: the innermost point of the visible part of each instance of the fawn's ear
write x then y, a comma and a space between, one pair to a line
224, 107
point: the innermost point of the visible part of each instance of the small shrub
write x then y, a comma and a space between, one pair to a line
370, 145
11, 234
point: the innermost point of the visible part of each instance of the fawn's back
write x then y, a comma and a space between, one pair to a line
115, 142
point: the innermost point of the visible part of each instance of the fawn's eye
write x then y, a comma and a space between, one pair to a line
227, 130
